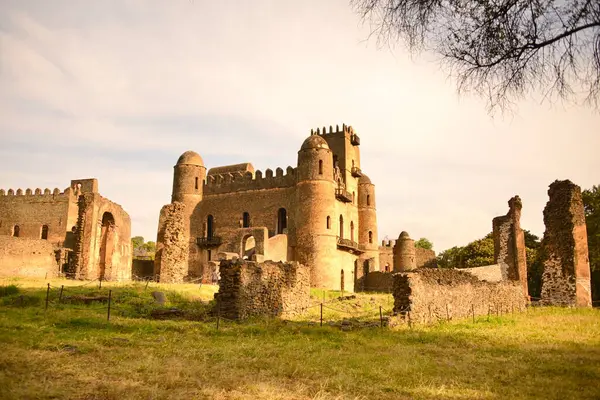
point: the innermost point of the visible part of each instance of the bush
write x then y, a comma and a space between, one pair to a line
8, 290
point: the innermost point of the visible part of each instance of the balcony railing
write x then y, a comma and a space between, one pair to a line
356, 172
343, 195
354, 139
349, 245
207, 242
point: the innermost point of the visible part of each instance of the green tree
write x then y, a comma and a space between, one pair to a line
478, 253
449, 258
137, 242
591, 205
501, 49
534, 264
424, 243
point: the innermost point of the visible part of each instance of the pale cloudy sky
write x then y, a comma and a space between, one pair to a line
117, 90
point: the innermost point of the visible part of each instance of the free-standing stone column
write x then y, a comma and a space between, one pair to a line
566, 276
509, 244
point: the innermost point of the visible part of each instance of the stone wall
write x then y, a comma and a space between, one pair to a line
445, 294
489, 273
425, 258
172, 245
249, 289
31, 258
566, 275
509, 243
142, 269
375, 281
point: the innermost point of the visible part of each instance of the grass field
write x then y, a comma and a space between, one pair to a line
70, 351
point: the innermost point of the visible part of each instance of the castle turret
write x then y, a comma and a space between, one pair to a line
367, 223
188, 179
315, 234
404, 253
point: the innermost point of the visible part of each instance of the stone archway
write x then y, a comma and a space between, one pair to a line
107, 239
248, 247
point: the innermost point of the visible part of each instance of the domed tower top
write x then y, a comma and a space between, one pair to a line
190, 158
403, 235
315, 161
314, 142
364, 180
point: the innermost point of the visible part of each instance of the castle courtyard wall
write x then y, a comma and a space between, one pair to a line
248, 289
428, 295
30, 258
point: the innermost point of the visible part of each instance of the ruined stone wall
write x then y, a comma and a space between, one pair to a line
269, 289
509, 244
31, 258
142, 269
425, 258
445, 294
171, 258
376, 281
30, 210
566, 275
386, 256
489, 273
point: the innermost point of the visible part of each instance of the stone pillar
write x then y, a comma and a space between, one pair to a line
172, 245
509, 244
566, 275
404, 253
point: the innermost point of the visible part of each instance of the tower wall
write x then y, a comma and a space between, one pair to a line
404, 254
367, 222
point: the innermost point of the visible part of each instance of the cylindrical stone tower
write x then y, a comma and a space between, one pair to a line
188, 179
404, 253
316, 242
367, 224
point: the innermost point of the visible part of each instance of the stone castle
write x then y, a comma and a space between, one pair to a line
76, 232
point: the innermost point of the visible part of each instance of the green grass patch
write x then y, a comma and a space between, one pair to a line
71, 351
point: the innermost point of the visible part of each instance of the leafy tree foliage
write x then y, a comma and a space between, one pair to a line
142, 249
591, 204
424, 243
478, 253
501, 49
450, 258
534, 264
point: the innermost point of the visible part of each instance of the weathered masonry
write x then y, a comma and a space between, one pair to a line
90, 234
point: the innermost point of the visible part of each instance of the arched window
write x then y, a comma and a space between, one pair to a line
352, 230
368, 199
246, 220
44, 234
370, 237
341, 227
16, 231
387, 267
209, 226
320, 167
328, 222
196, 183
281, 220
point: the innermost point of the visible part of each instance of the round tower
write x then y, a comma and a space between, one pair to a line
316, 241
404, 253
188, 179
367, 225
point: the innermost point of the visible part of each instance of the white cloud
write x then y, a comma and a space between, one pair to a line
117, 90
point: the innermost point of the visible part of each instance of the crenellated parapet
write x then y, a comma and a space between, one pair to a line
388, 243
323, 131
36, 192
238, 182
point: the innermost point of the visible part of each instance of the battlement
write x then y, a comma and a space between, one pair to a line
388, 243
229, 182
36, 192
345, 129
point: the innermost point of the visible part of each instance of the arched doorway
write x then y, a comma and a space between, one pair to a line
44, 233
107, 235
248, 247
281, 220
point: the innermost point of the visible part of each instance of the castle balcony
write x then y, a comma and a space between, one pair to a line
356, 172
208, 242
343, 195
355, 140
349, 245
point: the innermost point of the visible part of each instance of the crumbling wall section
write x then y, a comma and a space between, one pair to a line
509, 244
566, 275
428, 295
375, 281
172, 245
31, 258
271, 289
425, 258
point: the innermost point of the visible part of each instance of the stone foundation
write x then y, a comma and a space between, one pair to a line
430, 295
566, 275
269, 289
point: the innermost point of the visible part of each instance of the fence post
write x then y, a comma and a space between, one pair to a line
321, 314
22, 301
100, 287
380, 316
429, 306
218, 312
447, 313
109, 298
473, 311
62, 287
409, 321
147, 282
489, 311
47, 294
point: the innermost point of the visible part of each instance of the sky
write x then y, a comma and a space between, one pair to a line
117, 90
